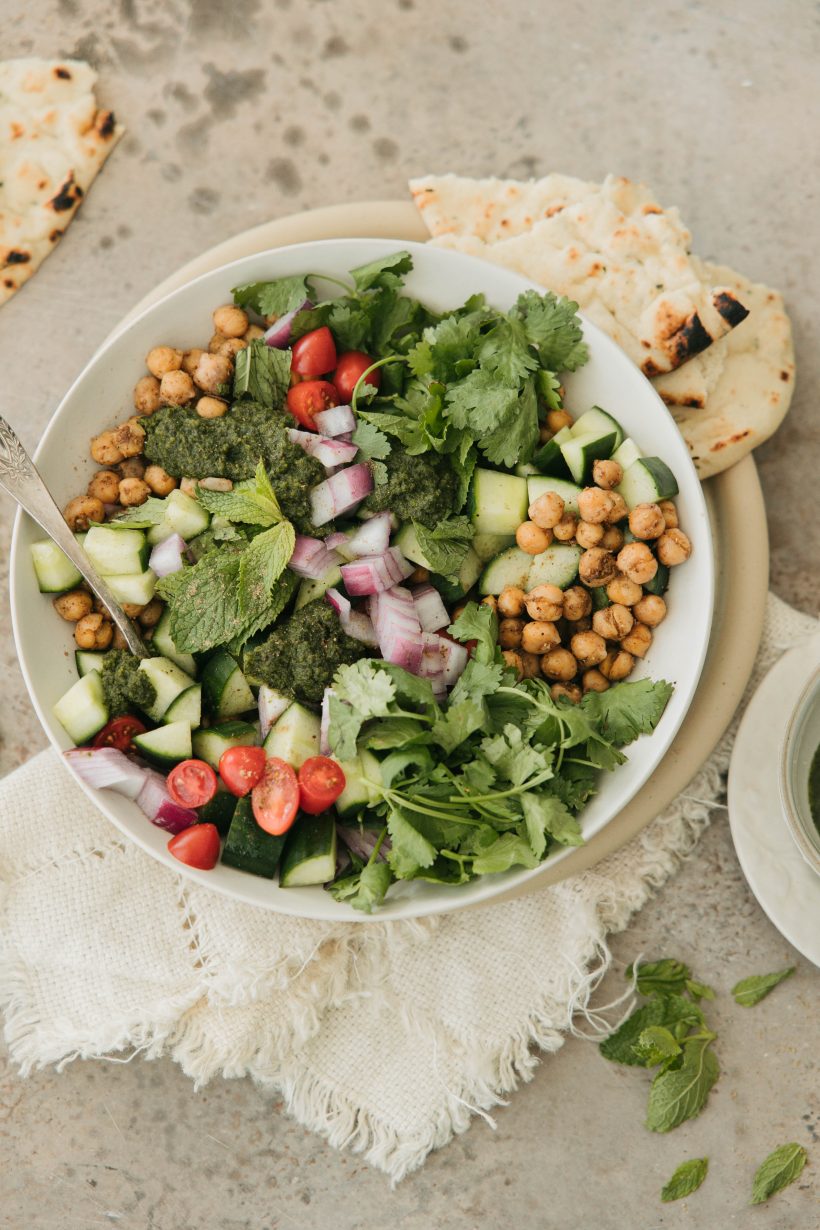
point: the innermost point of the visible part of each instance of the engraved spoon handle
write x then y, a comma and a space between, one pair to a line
20, 478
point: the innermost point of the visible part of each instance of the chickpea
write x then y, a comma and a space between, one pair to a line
119, 641
93, 632
532, 539
74, 605
589, 535
545, 602
83, 509
646, 521
509, 633
613, 622
558, 419
99, 606
129, 439
617, 665
566, 527
514, 662
146, 395
216, 341
133, 491
547, 510
650, 610
607, 474
674, 548
511, 601
132, 609
637, 562
583, 624
229, 346
638, 640
670, 514
618, 510
577, 603
191, 358
132, 467
177, 388
105, 486
595, 505
489, 600
163, 359
211, 408
623, 591
160, 482
613, 538
597, 567
539, 636
419, 576
594, 681
530, 665
569, 691
212, 371
253, 332
225, 484
230, 320
105, 450
544, 434
151, 614
559, 664
589, 648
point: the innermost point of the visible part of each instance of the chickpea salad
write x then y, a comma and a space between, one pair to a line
393, 590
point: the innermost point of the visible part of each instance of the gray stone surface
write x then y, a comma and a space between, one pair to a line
240, 113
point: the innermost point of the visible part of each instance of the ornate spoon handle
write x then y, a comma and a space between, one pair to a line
21, 479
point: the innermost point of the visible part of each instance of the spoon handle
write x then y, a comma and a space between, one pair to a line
20, 478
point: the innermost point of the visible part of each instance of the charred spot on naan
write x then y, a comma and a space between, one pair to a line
16, 257
730, 308
69, 195
105, 123
62, 72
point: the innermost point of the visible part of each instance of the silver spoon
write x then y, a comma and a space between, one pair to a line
20, 478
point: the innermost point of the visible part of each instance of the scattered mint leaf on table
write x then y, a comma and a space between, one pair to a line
666, 976
273, 298
262, 373
673, 1012
699, 990
779, 1169
751, 990
655, 1045
680, 1093
686, 1179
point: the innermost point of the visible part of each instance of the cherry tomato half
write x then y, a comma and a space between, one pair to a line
275, 797
198, 846
241, 768
119, 733
192, 783
321, 781
314, 353
349, 368
308, 398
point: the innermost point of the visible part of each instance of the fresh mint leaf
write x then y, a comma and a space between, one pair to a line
515, 438
262, 563
547, 816
655, 1044
554, 329
663, 977
446, 546
140, 516
477, 622
263, 616
202, 601
262, 373
699, 990
628, 710
273, 298
387, 272
751, 990
672, 1011
780, 1168
686, 1179
250, 503
680, 1093
371, 443
410, 851
508, 850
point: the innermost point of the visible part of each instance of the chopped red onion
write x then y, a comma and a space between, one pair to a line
457, 656
166, 556
374, 536
430, 609
271, 707
340, 542
340, 492
330, 452
436, 656
338, 421
160, 808
311, 558
355, 623
375, 573
362, 841
107, 767
278, 335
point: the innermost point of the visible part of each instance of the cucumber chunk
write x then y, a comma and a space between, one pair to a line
164, 644
407, 541
568, 492
659, 583
487, 546
54, 571
186, 516
497, 503
158, 533
165, 746
219, 810
209, 744
225, 688
187, 707
309, 590
468, 574
295, 737
248, 847
597, 422
116, 553
511, 567
549, 459
558, 565
137, 587
87, 660
309, 856
362, 780
626, 452
168, 680
646, 481
82, 711
581, 452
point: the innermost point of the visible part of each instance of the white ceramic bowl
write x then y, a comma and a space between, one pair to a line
101, 395
800, 743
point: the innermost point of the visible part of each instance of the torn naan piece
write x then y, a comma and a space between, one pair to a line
53, 141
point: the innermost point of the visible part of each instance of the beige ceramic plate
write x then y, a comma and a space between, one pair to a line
735, 504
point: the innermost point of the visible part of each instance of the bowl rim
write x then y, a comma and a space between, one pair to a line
797, 825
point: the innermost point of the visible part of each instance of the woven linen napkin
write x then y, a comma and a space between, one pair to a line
386, 1038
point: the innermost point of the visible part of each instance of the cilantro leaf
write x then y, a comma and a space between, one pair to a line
780, 1168
140, 516
365, 890
273, 298
480, 402
410, 689
410, 851
506, 350
513, 759
515, 438
444, 351
477, 680
546, 816
663, 977
680, 1093
751, 990
508, 850
384, 272
655, 1044
365, 687
409, 431
477, 622
371, 443
628, 710
686, 1179
445, 547
262, 563
262, 373
553, 328
343, 729
461, 720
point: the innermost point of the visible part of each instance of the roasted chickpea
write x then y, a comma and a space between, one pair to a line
129, 439
650, 610
511, 601
133, 491
567, 691
191, 358
545, 602
151, 614
557, 419
74, 605
146, 395
514, 662
419, 576
132, 467
163, 359
613, 622
594, 681
638, 640
544, 434
530, 665
547, 510
637, 562
646, 521
617, 665
589, 535
564, 531
581, 625
597, 567
83, 509
589, 648
212, 371
670, 514
119, 641
618, 509
253, 332
624, 591
607, 474
489, 600
509, 633
211, 408
105, 486
577, 603
595, 505
105, 450
532, 539
230, 320
160, 482
93, 631
539, 636
613, 538
223, 484
559, 664
132, 609
674, 548
230, 347
177, 389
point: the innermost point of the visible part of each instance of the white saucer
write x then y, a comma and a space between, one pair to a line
778, 875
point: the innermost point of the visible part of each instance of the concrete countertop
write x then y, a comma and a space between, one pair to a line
236, 114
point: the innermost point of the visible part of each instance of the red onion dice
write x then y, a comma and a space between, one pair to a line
107, 767
278, 335
338, 421
340, 492
166, 556
330, 452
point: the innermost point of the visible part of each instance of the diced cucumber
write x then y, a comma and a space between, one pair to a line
249, 847
209, 744
362, 780
525, 468
225, 688
138, 587
626, 452
549, 459
597, 422
468, 574
87, 660
186, 516
158, 533
568, 492
558, 565
82, 711
511, 567
600, 598
660, 582
295, 737
309, 590
646, 481
219, 810
487, 546
54, 571
407, 541
497, 503
165, 746
163, 643
309, 856
168, 680
187, 707
116, 553
581, 452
